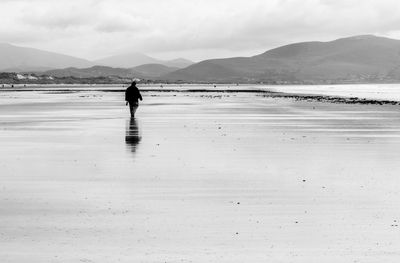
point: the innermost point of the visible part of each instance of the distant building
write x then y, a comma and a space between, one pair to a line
32, 77
20, 76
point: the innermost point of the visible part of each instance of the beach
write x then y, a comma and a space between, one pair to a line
197, 177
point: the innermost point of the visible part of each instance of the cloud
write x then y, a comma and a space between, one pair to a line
117, 24
96, 28
57, 21
57, 15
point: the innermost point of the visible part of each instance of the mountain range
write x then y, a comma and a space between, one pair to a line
23, 59
13, 58
357, 59
136, 59
146, 71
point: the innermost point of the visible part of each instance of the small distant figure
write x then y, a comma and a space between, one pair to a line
132, 97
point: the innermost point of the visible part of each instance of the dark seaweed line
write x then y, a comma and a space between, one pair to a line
331, 99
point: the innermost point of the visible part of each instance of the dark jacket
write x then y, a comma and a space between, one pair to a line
132, 94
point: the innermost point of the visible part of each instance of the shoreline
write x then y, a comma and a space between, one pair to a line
263, 93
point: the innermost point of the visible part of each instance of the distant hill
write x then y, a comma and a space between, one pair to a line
360, 59
26, 69
177, 63
23, 59
153, 70
136, 59
126, 60
147, 71
8, 79
18, 59
92, 72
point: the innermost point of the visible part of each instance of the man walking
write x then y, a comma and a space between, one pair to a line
132, 97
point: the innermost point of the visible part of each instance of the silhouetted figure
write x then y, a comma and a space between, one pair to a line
132, 97
132, 136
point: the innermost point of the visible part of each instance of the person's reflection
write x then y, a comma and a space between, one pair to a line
132, 136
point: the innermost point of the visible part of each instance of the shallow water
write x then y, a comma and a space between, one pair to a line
204, 177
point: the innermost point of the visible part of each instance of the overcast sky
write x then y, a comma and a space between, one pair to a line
195, 29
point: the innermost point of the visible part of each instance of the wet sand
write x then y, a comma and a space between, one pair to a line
197, 177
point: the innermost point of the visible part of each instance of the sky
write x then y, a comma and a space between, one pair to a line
194, 29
